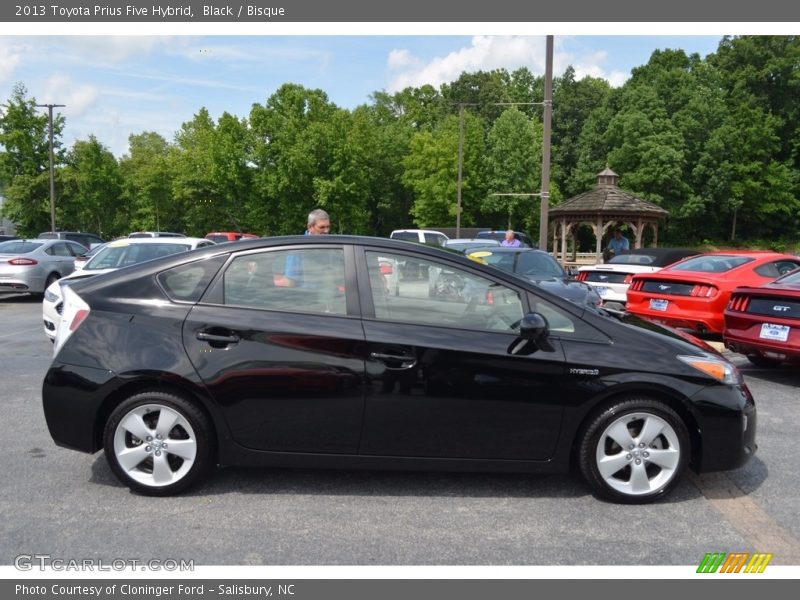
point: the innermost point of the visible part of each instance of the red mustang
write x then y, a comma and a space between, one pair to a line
763, 323
693, 293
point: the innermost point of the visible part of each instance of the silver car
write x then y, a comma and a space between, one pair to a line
32, 265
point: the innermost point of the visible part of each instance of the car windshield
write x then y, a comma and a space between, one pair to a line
716, 263
116, 256
633, 259
18, 247
538, 264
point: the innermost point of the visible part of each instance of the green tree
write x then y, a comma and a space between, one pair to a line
25, 160
291, 149
431, 171
92, 185
147, 173
514, 164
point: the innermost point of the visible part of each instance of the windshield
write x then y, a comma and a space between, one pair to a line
122, 255
633, 259
716, 263
18, 247
538, 265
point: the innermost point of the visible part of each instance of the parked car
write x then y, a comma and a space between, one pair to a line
32, 265
465, 245
6, 238
420, 236
81, 260
87, 240
763, 323
178, 364
220, 237
112, 256
152, 234
541, 268
500, 234
611, 279
692, 294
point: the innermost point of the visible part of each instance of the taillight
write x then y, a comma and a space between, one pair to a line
704, 291
583, 275
489, 297
73, 315
637, 284
738, 303
23, 262
386, 269
628, 279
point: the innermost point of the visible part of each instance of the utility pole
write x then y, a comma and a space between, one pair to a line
52, 175
461, 106
548, 113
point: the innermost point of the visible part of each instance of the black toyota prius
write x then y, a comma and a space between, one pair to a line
294, 351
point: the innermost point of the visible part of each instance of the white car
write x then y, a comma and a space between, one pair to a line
611, 279
114, 255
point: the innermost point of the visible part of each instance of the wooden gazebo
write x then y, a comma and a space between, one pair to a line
603, 207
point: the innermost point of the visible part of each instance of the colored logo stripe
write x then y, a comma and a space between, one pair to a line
734, 562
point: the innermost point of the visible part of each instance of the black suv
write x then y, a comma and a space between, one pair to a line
86, 240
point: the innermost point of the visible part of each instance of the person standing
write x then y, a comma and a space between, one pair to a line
318, 223
511, 240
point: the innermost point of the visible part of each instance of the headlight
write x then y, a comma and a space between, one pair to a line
51, 297
718, 368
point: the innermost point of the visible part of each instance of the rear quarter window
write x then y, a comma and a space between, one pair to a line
186, 283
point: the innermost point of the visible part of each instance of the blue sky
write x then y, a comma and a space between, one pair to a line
115, 86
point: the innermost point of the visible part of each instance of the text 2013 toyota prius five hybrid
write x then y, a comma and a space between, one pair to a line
291, 352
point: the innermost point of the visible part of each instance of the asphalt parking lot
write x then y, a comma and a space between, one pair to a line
69, 505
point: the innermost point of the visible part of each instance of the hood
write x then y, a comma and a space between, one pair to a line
576, 291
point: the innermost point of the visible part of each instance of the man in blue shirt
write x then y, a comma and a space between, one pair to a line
319, 223
617, 244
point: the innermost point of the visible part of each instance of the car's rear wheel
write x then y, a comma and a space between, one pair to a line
51, 279
633, 451
158, 444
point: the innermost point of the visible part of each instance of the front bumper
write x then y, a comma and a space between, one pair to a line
728, 427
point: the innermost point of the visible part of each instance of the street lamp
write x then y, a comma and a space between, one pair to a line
52, 178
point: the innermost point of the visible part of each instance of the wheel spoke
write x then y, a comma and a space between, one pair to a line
640, 482
162, 473
135, 425
653, 426
620, 434
666, 459
166, 421
186, 449
611, 464
130, 458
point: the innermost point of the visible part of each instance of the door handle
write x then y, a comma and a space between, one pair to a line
217, 339
406, 362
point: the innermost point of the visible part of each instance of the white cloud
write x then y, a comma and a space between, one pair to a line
10, 56
78, 98
114, 50
486, 53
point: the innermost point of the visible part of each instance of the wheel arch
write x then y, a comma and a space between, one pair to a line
658, 394
184, 389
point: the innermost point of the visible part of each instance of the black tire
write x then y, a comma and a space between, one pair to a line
762, 361
163, 466
640, 478
52, 278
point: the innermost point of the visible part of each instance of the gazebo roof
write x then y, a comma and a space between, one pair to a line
606, 198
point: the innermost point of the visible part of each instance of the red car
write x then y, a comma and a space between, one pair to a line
220, 237
763, 323
693, 293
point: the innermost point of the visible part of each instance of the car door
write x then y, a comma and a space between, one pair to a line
285, 364
443, 379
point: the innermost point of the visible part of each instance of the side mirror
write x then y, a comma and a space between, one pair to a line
533, 332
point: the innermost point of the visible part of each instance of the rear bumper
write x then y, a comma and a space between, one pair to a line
72, 399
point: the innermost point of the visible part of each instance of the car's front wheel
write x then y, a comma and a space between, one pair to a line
158, 444
634, 451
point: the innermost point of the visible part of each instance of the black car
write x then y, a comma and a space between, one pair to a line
87, 240
214, 357
541, 268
